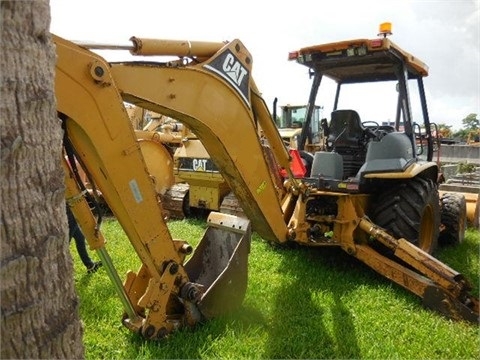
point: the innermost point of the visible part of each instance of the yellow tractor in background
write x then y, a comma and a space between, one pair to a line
290, 124
473, 138
368, 192
200, 187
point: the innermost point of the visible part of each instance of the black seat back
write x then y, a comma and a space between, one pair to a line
346, 130
347, 137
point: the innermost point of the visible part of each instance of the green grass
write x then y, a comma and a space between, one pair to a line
300, 303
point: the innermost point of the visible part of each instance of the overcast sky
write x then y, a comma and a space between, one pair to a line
442, 33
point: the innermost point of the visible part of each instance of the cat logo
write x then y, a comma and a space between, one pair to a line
199, 164
229, 67
234, 69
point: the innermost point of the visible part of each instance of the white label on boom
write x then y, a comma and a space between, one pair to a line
135, 191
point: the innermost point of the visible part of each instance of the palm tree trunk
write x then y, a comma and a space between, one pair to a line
39, 305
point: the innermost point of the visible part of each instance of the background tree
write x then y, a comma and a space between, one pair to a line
471, 122
39, 306
471, 125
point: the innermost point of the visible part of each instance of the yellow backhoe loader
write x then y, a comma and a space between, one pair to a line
211, 90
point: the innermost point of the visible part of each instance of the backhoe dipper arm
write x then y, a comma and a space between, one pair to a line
100, 131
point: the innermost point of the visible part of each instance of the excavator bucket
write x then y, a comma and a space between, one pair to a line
220, 264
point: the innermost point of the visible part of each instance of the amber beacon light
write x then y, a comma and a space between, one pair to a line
385, 29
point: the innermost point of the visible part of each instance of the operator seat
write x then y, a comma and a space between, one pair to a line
347, 137
346, 129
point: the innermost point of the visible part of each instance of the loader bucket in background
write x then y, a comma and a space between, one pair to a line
220, 264
473, 209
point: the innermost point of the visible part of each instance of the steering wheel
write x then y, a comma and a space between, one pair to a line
371, 127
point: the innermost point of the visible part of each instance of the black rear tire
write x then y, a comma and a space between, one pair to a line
453, 219
410, 210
